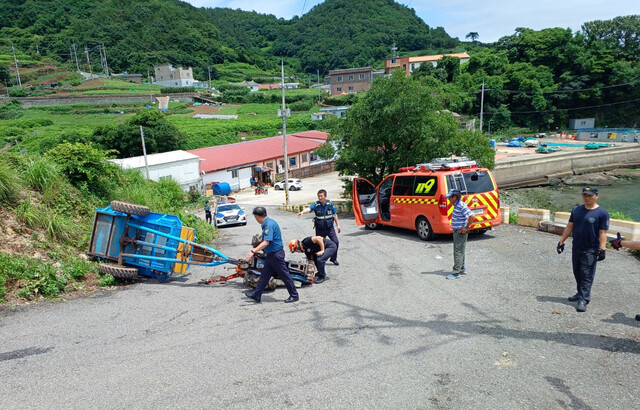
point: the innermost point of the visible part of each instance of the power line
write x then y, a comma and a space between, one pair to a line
565, 109
566, 91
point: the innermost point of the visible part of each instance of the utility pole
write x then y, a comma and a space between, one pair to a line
15, 60
284, 113
319, 88
209, 68
481, 105
74, 49
144, 152
86, 51
103, 56
149, 81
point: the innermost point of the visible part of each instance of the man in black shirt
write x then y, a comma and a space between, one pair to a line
588, 224
317, 249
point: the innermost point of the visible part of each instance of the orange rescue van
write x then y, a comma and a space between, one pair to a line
414, 198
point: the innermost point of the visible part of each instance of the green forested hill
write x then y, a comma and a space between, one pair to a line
140, 33
347, 33
135, 33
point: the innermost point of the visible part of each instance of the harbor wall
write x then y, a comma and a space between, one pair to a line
539, 169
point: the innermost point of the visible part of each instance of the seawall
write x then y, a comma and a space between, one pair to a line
539, 169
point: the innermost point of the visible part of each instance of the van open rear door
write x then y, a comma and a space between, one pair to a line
365, 202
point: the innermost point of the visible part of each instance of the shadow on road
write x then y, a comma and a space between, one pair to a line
621, 318
370, 319
555, 299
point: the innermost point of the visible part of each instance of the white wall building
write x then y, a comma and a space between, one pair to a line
182, 166
168, 76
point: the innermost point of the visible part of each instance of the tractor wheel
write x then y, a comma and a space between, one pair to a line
423, 228
118, 271
131, 209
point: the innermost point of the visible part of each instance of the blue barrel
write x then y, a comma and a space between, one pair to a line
221, 188
493, 143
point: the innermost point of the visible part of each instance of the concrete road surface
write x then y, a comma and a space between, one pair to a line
386, 331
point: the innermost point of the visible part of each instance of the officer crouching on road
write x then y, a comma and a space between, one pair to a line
326, 216
318, 250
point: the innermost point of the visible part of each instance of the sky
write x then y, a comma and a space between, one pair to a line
491, 19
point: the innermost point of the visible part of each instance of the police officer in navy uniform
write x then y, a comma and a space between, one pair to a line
318, 250
274, 262
326, 216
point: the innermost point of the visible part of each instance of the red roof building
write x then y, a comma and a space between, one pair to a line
262, 158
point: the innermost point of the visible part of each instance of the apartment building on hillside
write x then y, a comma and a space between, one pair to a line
351, 80
408, 64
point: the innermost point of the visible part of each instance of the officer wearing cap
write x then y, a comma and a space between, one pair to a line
274, 262
318, 250
588, 224
460, 222
326, 216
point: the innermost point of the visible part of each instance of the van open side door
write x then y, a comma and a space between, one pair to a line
365, 202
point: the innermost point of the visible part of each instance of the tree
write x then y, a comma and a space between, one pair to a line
5, 74
159, 135
86, 167
398, 123
473, 36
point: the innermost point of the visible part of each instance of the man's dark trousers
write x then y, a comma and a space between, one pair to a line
274, 263
329, 232
584, 270
330, 250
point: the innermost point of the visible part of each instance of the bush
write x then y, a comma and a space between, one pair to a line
163, 196
86, 167
303, 105
107, 280
9, 184
38, 277
17, 92
77, 268
11, 110
32, 216
42, 175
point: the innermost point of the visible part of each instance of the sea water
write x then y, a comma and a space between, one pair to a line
622, 196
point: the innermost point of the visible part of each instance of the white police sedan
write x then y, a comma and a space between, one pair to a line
229, 214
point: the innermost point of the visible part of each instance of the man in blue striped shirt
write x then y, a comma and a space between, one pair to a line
460, 221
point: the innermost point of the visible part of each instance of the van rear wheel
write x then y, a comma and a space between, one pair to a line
372, 226
423, 228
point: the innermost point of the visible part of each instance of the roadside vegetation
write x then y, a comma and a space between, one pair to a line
47, 204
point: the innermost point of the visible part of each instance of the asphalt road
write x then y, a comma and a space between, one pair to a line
387, 331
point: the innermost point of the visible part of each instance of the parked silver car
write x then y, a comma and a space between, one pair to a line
294, 185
